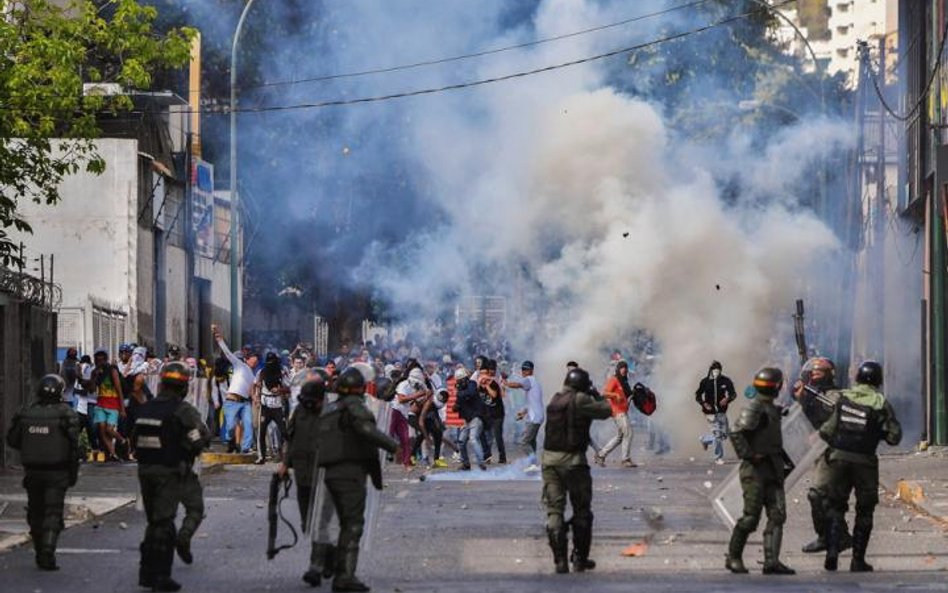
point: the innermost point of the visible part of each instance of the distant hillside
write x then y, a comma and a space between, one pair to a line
814, 15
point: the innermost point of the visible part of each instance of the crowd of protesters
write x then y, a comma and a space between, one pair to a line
458, 401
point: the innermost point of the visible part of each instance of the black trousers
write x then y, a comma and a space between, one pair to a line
268, 415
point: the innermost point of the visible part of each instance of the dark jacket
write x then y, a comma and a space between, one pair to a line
710, 391
470, 403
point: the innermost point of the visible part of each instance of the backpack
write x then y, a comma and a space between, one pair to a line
644, 399
386, 391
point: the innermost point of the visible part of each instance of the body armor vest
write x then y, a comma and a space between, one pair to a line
305, 425
817, 405
857, 428
158, 434
565, 430
337, 441
45, 441
757, 431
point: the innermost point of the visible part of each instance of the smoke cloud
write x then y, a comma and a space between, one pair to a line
560, 191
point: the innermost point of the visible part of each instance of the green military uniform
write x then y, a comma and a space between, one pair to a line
169, 434
47, 436
348, 443
302, 447
758, 441
862, 417
565, 472
817, 406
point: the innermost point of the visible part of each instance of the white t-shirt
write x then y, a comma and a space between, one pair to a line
406, 387
242, 378
534, 392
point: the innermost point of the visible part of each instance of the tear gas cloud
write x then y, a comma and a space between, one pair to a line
575, 200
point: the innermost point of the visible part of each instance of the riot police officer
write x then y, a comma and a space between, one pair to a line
861, 418
169, 434
758, 442
348, 450
565, 470
301, 454
816, 393
47, 435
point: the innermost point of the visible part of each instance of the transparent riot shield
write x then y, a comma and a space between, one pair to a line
373, 496
803, 446
321, 511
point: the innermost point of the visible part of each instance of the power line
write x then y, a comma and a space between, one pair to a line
923, 96
473, 83
438, 61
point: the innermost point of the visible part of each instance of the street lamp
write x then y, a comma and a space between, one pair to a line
235, 333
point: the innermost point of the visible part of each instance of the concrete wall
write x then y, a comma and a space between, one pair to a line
92, 231
176, 296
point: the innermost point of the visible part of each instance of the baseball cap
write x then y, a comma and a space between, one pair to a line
527, 365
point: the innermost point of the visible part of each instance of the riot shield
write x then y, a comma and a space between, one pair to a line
802, 445
373, 496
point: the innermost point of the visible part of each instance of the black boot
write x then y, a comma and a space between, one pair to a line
558, 545
346, 562
146, 573
329, 564
818, 514
317, 565
46, 551
860, 540
773, 538
162, 559
182, 546
735, 551
582, 541
832, 545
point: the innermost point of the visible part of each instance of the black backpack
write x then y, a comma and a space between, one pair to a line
386, 391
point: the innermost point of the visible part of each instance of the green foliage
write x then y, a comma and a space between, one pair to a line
47, 124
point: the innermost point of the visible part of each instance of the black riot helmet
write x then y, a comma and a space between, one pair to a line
50, 389
174, 377
350, 382
869, 373
578, 379
313, 393
768, 381
819, 371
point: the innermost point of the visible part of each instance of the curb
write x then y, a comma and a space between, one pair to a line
211, 459
84, 512
912, 494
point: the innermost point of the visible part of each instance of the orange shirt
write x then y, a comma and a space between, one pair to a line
451, 418
620, 404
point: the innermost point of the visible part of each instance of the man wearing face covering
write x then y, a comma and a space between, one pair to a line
272, 388
714, 394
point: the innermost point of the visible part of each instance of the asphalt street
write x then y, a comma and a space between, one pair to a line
480, 532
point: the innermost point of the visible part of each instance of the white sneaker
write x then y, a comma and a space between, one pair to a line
531, 469
719, 461
456, 457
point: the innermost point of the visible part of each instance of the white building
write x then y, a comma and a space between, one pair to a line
136, 260
852, 21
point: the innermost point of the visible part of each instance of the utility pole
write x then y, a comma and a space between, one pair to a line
877, 288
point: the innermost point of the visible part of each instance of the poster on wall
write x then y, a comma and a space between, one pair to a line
202, 208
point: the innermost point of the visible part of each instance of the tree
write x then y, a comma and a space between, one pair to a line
48, 50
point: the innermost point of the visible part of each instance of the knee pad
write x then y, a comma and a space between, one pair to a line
555, 523
164, 530
748, 523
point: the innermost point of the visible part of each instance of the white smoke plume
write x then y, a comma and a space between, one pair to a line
558, 191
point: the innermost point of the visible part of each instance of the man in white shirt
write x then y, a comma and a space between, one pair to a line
533, 413
237, 406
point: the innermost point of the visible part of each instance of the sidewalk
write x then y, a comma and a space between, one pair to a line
102, 488
918, 479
